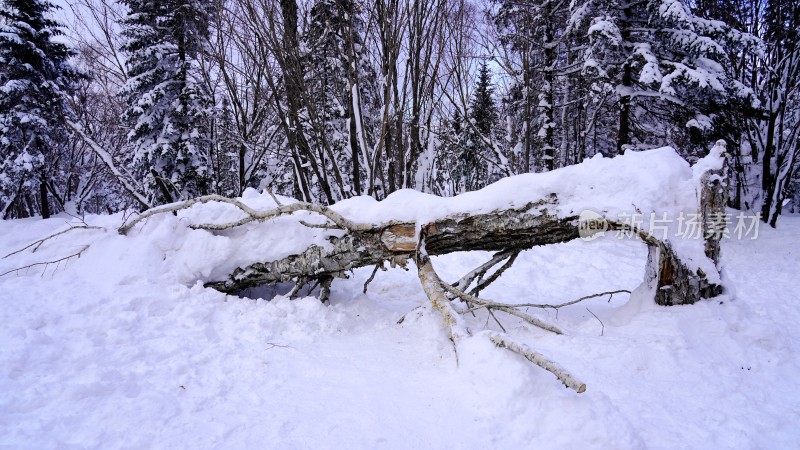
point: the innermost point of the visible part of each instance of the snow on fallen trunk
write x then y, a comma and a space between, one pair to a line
651, 195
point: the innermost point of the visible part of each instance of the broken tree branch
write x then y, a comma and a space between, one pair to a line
506, 308
493, 277
493, 304
126, 181
251, 214
467, 279
325, 289
431, 284
528, 318
371, 277
505, 341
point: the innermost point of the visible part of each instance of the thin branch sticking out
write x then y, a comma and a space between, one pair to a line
479, 271
489, 303
508, 309
47, 263
371, 277
38, 243
493, 277
251, 214
602, 325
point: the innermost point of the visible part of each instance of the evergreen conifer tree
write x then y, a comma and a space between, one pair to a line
169, 107
472, 167
35, 79
662, 67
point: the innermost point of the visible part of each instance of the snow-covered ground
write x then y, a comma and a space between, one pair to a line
114, 350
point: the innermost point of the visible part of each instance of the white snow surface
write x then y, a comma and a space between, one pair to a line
123, 348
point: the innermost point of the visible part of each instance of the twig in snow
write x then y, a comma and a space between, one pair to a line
497, 321
371, 277
603, 327
273, 345
556, 307
38, 243
403, 317
47, 263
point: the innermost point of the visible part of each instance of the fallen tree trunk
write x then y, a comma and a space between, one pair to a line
397, 244
679, 271
673, 280
675, 277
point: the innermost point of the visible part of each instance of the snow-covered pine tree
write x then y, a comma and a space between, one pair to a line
473, 162
35, 79
169, 106
482, 109
661, 66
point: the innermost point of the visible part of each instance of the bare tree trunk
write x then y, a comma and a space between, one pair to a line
293, 82
550, 56
45, 206
623, 134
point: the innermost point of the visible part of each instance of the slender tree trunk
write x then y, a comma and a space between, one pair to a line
293, 79
623, 135
43, 197
242, 180
550, 56
161, 185
528, 119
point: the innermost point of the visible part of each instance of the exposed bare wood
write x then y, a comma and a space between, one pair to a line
400, 238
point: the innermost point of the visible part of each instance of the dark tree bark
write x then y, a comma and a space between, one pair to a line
45, 205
